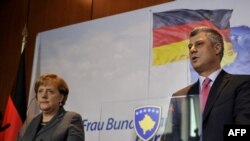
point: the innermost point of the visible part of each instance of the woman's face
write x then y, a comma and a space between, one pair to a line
49, 98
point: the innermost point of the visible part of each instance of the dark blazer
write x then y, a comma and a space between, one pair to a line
228, 103
65, 126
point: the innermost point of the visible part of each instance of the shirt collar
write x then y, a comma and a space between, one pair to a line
212, 77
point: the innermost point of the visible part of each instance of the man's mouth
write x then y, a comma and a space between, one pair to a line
194, 58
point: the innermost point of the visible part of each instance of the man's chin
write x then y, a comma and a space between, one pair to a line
198, 69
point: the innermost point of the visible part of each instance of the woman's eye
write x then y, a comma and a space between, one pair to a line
50, 92
40, 91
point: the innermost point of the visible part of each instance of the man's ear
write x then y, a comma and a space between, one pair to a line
217, 48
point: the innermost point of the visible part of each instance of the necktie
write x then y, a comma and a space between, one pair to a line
204, 92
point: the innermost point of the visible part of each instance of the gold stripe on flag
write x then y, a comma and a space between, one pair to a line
170, 53
178, 51
229, 54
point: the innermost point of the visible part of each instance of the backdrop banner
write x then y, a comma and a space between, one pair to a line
111, 72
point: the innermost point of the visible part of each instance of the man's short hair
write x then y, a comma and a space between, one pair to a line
213, 35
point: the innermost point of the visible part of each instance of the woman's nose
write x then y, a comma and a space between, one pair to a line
44, 94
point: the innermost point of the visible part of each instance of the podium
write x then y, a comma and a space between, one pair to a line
151, 119
183, 119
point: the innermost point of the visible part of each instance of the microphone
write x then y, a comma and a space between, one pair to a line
30, 103
4, 127
33, 110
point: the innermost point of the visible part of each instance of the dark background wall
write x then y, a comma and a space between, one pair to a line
41, 15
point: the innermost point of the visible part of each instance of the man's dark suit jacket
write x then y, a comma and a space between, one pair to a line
65, 126
228, 103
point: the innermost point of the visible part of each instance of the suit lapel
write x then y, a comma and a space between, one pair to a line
34, 127
57, 118
220, 82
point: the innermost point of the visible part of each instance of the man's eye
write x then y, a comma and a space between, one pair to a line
199, 44
190, 46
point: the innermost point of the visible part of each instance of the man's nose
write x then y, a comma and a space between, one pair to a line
192, 49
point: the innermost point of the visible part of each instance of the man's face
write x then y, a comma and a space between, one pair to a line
204, 56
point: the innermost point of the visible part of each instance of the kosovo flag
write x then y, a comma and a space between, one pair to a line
171, 32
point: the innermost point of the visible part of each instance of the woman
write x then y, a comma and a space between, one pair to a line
53, 123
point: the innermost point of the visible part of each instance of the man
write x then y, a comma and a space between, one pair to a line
228, 99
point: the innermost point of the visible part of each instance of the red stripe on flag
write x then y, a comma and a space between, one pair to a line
171, 34
13, 118
15, 113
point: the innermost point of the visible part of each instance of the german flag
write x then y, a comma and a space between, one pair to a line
171, 32
15, 113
